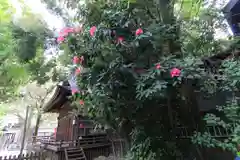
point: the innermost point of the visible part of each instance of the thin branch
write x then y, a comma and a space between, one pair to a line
49, 90
30, 95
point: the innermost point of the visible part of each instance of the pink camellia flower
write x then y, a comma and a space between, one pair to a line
75, 59
78, 29
77, 71
60, 39
81, 102
175, 72
93, 30
120, 39
63, 34
69, 30
74, 91
158, 66
139, 31
66, 31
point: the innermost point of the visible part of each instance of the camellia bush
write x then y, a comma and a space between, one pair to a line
136, 68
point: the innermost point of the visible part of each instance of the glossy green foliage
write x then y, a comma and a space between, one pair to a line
127, 83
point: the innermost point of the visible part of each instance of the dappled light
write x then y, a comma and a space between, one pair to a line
123, 79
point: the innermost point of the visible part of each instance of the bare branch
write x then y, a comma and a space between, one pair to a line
49, 90
30, 95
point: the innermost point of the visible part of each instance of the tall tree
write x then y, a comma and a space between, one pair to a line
138, 69
11, 72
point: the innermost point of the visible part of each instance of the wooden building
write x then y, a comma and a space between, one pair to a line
74, 137
70, 127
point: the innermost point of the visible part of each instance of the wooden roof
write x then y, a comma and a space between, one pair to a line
62, 92
232, 14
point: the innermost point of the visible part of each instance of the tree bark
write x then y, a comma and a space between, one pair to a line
166, 8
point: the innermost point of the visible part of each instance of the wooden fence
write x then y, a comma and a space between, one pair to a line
29, 156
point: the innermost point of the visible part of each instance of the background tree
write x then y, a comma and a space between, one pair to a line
24, 64
11, 72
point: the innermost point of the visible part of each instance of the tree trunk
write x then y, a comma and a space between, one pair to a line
29, 131
167, 17
39, 117
24, 131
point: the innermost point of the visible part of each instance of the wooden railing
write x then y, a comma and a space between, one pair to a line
84, 142
31, 156
41, 138
213, 130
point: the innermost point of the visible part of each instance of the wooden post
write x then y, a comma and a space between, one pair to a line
24, 131
39, 117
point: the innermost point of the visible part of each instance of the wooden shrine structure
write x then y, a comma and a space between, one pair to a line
70, 127
74, 139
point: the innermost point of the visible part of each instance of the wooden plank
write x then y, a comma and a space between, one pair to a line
66, 154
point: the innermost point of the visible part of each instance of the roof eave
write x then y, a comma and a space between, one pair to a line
52, 101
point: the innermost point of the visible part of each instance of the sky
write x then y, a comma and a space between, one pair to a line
39, 8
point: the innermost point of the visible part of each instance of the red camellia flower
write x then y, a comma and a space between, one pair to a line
74, 91
78, 29
66, 31
175, 72
120, 39
139, 31
81, 102
93, 30
75, 59
60, 39
69, 30
63, 33
77, 71
158, 66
